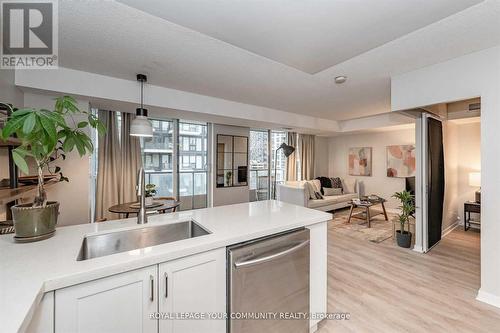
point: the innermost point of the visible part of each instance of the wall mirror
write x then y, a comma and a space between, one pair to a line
232, 160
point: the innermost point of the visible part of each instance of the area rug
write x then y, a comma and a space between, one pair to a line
380, 230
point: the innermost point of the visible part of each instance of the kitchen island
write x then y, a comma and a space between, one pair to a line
39, 282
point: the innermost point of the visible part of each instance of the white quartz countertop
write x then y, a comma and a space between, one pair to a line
29, 270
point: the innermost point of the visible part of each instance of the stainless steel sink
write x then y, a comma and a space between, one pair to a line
127, 240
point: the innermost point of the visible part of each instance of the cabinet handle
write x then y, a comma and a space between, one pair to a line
152, 280
166, 285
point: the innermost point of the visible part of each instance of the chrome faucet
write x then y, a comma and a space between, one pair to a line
141, 196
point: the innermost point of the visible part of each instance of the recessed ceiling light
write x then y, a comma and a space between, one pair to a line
340, 79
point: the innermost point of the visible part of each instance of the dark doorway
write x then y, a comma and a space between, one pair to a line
435, 181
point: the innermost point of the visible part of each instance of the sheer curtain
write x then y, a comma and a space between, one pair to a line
119, 158
291, 165
131, 160
306, 146
108, 179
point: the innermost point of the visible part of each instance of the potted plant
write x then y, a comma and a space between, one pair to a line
150, 193
407, 207
45, 137
229, 176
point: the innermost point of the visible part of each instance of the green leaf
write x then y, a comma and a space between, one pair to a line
29, 123
69, 143
21, 112
13, 125
20, 161
49, 127
82, 124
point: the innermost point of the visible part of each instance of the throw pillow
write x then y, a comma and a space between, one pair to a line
318, 195
336, 182
349, 185
317, 185
309, 189
332, 191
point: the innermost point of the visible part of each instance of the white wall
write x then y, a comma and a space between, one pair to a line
469, 160
474, 75
378, 183
227, 195
73, 196
321, 156
451, 192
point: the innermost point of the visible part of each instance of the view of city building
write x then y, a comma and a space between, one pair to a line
261, 171
159, 154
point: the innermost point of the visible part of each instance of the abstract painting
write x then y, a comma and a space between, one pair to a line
401, 161
360, 161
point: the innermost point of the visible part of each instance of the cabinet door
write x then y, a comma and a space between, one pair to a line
120, 303
195, 285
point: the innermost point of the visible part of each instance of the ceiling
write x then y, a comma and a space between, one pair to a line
308, 35
215, 51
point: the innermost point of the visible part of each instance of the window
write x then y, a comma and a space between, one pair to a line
277, 138
193, 169
259, 166
189, 185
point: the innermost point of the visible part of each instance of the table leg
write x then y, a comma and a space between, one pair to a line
350, 214
368, 217
385, 213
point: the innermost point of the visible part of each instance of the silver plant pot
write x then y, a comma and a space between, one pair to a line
35, 223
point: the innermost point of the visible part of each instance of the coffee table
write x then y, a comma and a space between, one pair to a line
366, 204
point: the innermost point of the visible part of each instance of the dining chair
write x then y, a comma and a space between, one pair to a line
171, 210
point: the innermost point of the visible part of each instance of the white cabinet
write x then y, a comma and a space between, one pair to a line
120, 303
318, 290
194, 285
43, 318
124, 302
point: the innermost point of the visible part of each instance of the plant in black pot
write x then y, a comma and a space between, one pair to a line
45, 137
407, 207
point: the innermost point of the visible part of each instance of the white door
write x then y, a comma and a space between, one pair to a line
195, 285
117, 304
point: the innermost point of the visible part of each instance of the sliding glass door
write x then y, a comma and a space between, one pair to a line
158, 154
263, 146
259, 165
193, 167
182, 172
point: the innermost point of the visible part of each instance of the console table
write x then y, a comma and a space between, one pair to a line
470, 207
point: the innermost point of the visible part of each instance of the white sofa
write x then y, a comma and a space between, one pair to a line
295, 193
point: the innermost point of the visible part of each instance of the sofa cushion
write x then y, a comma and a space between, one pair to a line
349, 185
336, 182
330, 200
332, 191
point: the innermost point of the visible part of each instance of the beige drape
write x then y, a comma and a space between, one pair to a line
108, 179
291, 164
131, 160
119, 158
306, 146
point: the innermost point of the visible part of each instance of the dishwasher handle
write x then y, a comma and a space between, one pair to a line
260, 260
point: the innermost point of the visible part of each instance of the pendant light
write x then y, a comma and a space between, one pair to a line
141, 126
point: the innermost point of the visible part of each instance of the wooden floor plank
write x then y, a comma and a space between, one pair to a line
389, 289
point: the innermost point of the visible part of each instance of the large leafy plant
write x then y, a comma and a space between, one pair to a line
45, 136
407, 208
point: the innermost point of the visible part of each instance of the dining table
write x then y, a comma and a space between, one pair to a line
159, 205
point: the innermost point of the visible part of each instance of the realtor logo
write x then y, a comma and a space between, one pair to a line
29, 34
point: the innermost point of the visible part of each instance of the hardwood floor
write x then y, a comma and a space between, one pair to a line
389, 289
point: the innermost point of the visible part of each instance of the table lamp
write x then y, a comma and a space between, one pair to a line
475, 181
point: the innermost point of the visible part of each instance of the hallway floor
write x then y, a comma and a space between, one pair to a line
389, 289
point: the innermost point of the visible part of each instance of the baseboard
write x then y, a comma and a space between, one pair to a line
488, 298
418, 249
449, 229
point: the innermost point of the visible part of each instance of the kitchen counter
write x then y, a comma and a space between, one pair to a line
29, 270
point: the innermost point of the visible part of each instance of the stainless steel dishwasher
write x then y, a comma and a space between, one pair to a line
269, 279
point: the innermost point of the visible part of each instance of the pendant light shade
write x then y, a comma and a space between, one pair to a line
141, 126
